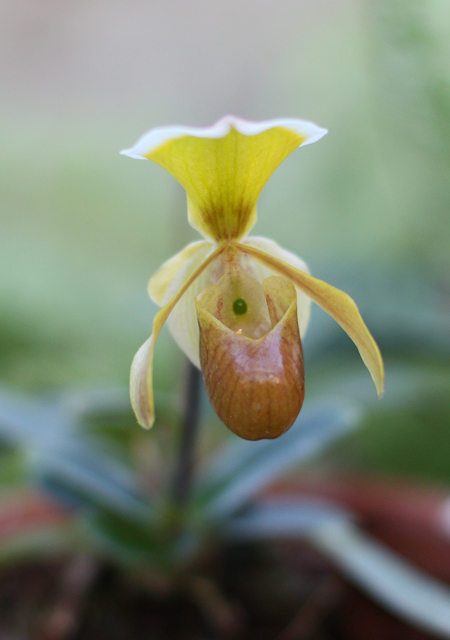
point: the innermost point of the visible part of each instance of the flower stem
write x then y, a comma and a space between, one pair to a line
184, 471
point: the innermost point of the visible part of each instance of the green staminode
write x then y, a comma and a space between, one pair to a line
239, 307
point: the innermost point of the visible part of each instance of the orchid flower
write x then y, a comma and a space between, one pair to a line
238, 306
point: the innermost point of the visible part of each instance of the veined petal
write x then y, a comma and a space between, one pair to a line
256, 385
224, 167
141, 377
338, 304
262, 271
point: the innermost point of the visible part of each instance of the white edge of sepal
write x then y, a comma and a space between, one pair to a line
158, 136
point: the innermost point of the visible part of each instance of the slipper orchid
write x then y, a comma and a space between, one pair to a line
238, 306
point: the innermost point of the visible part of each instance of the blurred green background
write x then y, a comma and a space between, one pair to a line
83, 228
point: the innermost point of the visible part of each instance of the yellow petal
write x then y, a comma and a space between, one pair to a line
224, 167
256, 386
262, 271
279, 294
340, 307
141, 377
182, 322
141, 383
170, 271
168, 280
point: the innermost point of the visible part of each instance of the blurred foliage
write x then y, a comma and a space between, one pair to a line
121, 486
368, 208
82, 230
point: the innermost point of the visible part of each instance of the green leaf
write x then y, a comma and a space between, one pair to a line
397, 585
242, 469
401, 588
60, 454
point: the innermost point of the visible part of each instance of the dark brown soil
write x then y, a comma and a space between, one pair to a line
283, 593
